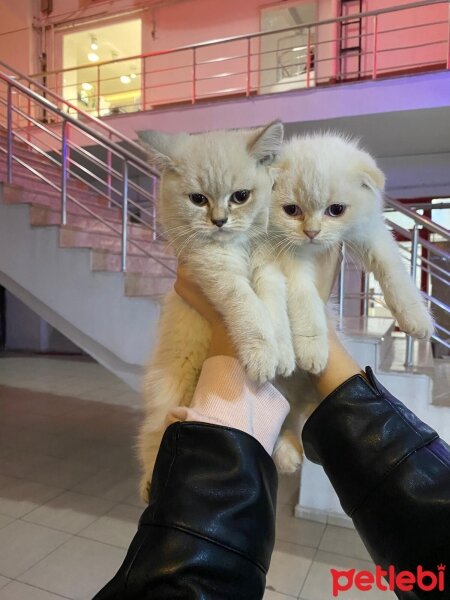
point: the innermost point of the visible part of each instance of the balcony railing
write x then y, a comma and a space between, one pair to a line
398, 40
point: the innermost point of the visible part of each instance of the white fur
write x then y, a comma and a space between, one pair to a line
315, 172
215, 165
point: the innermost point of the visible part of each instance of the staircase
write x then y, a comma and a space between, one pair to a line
103, 286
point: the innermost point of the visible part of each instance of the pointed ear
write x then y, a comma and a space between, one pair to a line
265, 143
158, 147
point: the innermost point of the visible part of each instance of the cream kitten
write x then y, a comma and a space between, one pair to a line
329, 191
213, 206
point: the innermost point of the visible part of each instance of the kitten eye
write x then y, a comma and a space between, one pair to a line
240, 196
198, 199
335, 210
293, 210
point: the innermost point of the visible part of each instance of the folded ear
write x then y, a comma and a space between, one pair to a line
373, 177
158, 147
265, 143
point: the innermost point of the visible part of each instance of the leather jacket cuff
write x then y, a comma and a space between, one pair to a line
361, 424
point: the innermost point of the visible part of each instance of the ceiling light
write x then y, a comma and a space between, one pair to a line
94, 44
133, 75
87, 86
93, 57
125, 79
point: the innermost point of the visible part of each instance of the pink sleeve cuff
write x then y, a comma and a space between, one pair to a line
225, 396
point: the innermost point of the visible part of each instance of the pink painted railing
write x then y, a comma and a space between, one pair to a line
398, 40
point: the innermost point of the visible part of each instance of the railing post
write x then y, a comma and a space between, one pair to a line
9, 140
414, 256
342, 287
308, 60
64, 152
366, 295
98, 90
143, 84
448, 39
194, 75
249, 68
375, 46
124, 215
109, 176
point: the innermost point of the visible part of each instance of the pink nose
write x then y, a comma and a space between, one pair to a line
311, 233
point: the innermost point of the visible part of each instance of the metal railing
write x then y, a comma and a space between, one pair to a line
391, 41
94, 154
420, 249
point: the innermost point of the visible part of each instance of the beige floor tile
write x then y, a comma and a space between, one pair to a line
288, 568
69, 512
117, 527
22, 545
21, 591
4, 581
318, 583
112, 484
78, 569
4, 521
341, 540
18, 497
270, 595
298, 531
288, 489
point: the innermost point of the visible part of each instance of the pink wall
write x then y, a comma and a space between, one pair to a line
169, 77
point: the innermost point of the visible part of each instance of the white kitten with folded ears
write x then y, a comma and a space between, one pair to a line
213, 205
329, 191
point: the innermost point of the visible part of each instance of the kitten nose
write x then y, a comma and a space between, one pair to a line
219, 222
311, 233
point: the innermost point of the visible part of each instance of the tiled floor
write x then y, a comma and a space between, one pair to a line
68, 504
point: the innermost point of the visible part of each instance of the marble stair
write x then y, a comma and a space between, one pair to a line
149, 267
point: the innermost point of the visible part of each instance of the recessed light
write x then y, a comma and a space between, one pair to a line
133, 75
87, 86
125, 79
93, 57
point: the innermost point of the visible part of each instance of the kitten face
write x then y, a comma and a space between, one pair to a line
215, 186
327, 190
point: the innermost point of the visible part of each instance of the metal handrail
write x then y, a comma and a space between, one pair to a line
242, 37
419, 219
98, 122
128, 160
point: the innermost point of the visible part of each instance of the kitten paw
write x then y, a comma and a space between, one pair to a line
416, 321
311, 353
260, 360
288, 453
286, 364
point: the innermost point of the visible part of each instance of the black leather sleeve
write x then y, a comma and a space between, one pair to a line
391, 473
209, 530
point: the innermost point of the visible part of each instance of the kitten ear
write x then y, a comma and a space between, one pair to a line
158, 146
265, 144
373, 178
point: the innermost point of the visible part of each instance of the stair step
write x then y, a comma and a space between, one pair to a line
42, 216
23, 177
16, 194
104, 260
145, 285
71, 237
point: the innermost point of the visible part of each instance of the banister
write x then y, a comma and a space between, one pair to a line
237, 38
85, 114
79, 124
419, 219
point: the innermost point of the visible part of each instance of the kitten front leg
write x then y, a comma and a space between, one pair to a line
381, 256
247, 320
307, 318
270, 286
